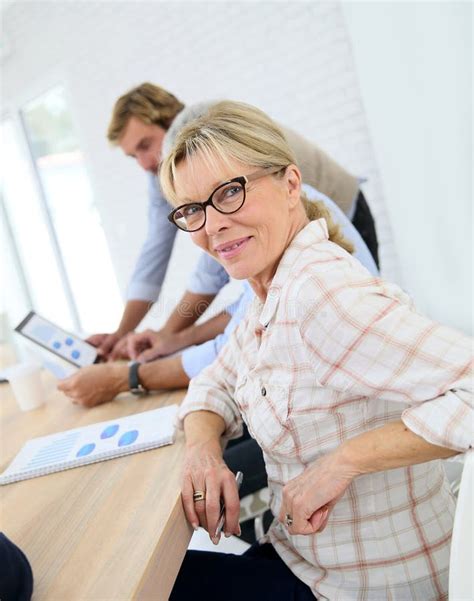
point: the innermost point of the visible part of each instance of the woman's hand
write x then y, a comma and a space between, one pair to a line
309, 498
206, 471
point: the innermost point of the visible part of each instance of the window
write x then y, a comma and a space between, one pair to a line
26, 239
76, 233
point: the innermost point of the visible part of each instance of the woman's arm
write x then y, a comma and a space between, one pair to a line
209, 413
367, 342
310, 497
149, 345
205, 470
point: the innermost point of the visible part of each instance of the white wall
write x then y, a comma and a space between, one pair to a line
293, 59
414, 61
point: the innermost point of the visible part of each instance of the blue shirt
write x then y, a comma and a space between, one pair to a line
150, 269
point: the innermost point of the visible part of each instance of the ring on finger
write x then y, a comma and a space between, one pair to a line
199, 495
288, 520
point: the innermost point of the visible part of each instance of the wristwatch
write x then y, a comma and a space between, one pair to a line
134, 383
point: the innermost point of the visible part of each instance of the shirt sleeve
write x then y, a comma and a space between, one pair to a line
195, 358
366, 339
152, 263
208, 276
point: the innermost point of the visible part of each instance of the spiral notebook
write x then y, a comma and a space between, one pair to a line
93, 443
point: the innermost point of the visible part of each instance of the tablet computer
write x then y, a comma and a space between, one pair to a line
51, 337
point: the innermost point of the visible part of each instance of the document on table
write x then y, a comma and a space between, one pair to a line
93, 443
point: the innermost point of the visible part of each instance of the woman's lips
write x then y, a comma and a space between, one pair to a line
228, 250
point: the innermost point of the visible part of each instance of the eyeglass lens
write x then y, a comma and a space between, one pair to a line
226, 199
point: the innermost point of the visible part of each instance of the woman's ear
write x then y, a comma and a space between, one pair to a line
292, 180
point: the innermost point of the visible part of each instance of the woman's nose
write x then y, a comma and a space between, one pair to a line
215, 221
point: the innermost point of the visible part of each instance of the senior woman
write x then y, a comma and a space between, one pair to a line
350, 392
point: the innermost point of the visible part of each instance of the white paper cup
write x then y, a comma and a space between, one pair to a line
26, 385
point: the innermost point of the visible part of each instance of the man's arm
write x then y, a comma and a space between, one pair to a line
149, 345
134, 312
191, 306
188, 310
98, 384
197, 334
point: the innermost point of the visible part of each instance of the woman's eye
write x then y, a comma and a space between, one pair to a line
230, 192
190, 211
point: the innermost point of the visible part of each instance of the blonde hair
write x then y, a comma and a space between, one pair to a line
149, 103
235, 131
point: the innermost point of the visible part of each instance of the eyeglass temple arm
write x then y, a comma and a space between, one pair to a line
262, 172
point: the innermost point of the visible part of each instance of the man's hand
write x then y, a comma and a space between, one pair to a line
104, 343
95, 384
110, 347
120, 350
149, 345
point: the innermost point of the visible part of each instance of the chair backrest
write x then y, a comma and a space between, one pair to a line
461, 565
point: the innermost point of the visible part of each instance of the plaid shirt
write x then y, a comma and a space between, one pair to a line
334, 352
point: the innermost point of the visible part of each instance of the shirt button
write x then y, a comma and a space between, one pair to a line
264, 391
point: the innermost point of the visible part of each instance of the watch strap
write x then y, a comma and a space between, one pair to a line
134, 384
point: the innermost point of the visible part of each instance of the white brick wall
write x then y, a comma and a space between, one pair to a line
292, 59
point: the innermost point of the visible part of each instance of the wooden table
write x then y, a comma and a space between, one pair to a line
114, 530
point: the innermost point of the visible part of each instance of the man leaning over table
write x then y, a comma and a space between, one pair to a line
144, 123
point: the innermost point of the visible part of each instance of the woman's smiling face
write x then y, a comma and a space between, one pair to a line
250, 242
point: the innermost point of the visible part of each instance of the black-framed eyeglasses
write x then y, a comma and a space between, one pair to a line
227, 198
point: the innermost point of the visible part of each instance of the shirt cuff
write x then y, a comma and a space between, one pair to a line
209, 399
142, 291
446, 421
234, 425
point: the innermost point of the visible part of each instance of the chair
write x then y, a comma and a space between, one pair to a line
461, 570
253, 509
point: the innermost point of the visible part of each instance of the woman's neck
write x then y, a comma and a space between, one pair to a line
261, 283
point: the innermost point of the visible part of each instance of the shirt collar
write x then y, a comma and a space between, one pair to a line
313, 233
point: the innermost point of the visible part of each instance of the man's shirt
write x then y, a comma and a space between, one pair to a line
150, 269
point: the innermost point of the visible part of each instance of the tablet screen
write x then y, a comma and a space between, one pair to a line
56, 340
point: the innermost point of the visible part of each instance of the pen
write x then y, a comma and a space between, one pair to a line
220, 524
